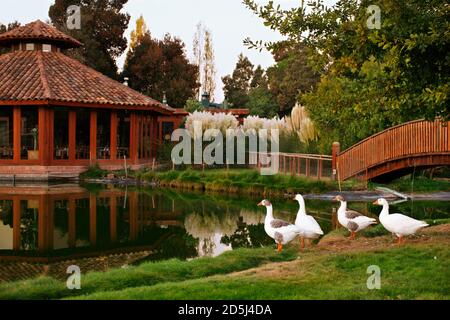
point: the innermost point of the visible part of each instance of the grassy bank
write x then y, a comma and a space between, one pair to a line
251, 182
418, 184
149, 273
245, 181
334, 269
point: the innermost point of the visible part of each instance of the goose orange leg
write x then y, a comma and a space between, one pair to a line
279, 247
400, 240
353, 235
302, 243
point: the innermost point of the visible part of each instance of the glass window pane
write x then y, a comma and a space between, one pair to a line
123, 134
103, 134
61, 134
83, 134
6, 133
29, 134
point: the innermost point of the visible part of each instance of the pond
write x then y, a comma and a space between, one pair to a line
44, 229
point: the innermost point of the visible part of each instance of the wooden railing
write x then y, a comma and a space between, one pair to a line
308, 165
404, 141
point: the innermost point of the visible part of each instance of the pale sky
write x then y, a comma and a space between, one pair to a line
229, 21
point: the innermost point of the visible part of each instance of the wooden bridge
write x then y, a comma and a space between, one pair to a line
395, 152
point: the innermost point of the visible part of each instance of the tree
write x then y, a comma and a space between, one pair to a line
237, 86
138, 34
260, 100
157, 67
4, 28
204, 59
291, 76
371, 78
102, 31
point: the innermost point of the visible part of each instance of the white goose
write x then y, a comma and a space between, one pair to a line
352, 220
397, 223
309, 228
281, 231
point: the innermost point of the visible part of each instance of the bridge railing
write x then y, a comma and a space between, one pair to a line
409, 139
315, 166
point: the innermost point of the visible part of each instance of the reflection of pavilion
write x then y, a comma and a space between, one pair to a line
69, 222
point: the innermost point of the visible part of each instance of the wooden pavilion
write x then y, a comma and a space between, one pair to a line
58, 116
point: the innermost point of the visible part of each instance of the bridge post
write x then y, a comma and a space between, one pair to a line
335, 149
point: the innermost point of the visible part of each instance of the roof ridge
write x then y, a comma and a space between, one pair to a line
44, 81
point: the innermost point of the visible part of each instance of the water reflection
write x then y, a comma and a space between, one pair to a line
52, 224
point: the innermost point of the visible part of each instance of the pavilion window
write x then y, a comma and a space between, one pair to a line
29, 47
61, 134
29, 136
83, 130
167, 129
6, 133
46, 47
103, 134
123, 134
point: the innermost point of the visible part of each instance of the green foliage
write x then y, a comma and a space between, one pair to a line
291, 76
261, 103
418, 184
94, 172
237, 85
371, 79
193, 105
102, 31
248, 181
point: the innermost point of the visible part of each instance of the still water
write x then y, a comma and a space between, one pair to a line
45, 228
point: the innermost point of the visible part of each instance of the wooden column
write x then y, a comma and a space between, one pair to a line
16, 223
43, 222
133, 137
72, 223
113, 137
72, 134
113, 219
334, 153
93, 220
43, 138
49, 209
93, 138
16, 137
51, 135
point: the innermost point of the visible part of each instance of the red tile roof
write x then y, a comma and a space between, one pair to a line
41, 31
31, 76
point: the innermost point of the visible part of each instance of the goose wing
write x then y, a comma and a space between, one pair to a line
313, 225
352, 214
278, 223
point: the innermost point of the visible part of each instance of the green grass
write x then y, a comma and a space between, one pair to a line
417, 271
419, 184
149, 273
406, 273
246, 181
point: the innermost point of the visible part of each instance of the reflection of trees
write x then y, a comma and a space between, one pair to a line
205, 226
28, 228
6, 212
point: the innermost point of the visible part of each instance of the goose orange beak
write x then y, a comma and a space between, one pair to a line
260, 204
375, 202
